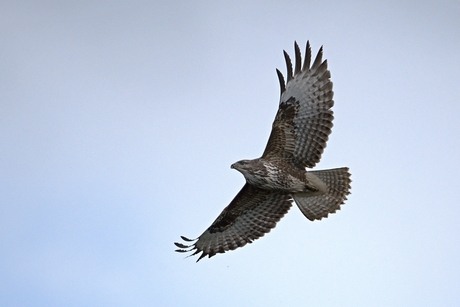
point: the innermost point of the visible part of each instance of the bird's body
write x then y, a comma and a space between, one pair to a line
299, 134
279, 176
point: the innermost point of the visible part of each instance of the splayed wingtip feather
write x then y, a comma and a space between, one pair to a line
288, 65
187, 239
180, 245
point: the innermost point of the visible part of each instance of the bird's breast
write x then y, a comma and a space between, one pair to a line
276, 176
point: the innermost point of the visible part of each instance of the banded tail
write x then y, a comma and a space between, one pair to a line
338, 187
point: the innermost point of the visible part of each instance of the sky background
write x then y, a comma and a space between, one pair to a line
119, 121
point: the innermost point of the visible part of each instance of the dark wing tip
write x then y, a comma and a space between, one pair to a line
183, 248
187, 239
307, 60
180, 245
298, 63
288, 65
318, 60
202, 256
281, 80
298, 58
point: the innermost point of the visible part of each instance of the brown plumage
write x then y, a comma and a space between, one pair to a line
299, 134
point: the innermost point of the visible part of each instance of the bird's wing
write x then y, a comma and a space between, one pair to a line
250, 215
304, 119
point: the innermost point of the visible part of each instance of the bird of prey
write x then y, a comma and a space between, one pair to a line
298, 137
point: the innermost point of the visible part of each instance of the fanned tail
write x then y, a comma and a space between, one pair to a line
338, 187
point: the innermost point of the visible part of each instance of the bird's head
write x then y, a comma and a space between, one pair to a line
241, 166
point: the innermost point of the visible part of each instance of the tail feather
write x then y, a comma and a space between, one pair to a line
338, 187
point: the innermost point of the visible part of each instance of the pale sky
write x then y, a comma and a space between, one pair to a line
119, 121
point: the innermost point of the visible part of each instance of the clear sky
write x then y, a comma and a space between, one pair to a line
119, 121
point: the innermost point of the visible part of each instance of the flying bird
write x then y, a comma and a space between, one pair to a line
298, 137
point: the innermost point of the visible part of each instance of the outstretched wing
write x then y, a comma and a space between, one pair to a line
250, 215
304, 119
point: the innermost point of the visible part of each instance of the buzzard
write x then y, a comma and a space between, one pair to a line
299, 134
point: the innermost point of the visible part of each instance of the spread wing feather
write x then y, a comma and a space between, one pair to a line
250, 215
304, 119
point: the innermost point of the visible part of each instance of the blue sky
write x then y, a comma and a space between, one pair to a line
119, 121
